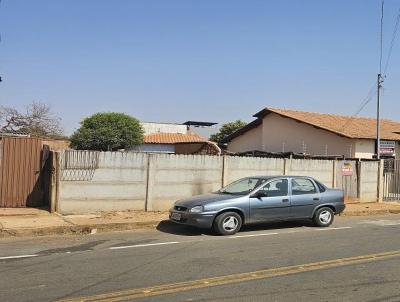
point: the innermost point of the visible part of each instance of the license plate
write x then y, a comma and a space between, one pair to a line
176, 216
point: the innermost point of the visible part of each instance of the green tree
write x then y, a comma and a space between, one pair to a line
226, 130
107, 131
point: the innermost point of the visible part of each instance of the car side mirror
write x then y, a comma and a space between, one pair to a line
259, 194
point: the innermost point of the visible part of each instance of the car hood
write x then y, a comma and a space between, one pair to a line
201, 200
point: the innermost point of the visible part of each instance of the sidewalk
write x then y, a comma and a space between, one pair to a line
364, 209
37, 222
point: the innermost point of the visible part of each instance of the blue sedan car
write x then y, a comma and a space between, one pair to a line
260, 199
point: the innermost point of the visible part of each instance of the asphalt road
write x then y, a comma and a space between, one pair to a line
356, 259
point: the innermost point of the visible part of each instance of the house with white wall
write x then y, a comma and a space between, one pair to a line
282, 130
175, 138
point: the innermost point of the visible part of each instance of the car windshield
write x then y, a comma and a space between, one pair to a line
242, 186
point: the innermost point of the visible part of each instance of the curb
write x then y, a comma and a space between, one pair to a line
127, 226
370, 212
77, 229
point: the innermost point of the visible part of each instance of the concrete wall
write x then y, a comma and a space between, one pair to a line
319, 169
154, 148
369, 181
364, 148
163, 127
57, 145
279, 134
120, 181
172, 177
250, 141
284, 134
188, 148
238, 167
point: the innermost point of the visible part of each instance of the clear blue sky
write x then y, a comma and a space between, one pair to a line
172, 61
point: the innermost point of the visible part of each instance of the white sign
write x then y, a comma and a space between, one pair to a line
387, 147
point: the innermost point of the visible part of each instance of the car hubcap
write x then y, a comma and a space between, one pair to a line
230, 223
325, 217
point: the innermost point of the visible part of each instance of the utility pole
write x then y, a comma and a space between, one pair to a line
379, 83
378, 121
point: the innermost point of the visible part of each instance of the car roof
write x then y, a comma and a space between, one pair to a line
277, 176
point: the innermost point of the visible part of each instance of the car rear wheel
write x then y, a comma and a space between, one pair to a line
227, 223
323, 217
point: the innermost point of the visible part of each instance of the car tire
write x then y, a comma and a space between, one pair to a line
323, 217
227, 223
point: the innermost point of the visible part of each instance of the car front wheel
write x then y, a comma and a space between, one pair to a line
323, 217
228, 223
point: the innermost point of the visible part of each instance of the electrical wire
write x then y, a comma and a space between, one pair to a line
381, 39
373, 89
364, 103
392, 42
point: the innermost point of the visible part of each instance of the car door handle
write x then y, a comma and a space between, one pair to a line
315, 198
285, 200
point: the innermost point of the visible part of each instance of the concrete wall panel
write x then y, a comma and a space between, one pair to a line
321, 170
239, 167
122, 181
101, 205
118, 183
369, 181
250, 141
177, 176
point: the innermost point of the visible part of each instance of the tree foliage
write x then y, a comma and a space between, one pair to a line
37, 120
226, 130
108, 131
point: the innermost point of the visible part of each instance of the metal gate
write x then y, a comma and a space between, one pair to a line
391, 180
348, 183
24, 173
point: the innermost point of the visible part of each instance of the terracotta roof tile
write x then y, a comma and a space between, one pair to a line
352, 127
172, 138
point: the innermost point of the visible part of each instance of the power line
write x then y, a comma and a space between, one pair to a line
392, 42
0, 42
373, 89
365, 101
381, 39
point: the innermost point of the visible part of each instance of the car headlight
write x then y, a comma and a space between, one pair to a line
196, 209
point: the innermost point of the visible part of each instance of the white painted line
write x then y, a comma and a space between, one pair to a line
381, 222
331, 229
253, 235
292, 232
141, 245
17, 257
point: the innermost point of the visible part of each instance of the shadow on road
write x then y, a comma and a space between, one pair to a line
169, 227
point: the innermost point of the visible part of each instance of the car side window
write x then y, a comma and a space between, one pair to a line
302, 186
321, 187
275, 188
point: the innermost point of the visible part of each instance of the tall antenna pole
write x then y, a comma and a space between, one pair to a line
379, 83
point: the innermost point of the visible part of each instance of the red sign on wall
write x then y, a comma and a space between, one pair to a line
347, 169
